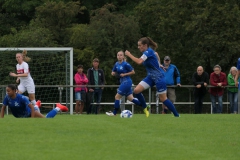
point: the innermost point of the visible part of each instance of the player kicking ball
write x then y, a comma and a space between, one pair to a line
22, 108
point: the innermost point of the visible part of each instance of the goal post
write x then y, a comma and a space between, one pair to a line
51, 69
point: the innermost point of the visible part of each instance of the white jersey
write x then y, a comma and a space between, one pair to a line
23, 68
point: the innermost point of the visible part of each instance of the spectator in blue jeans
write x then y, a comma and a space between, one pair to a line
95, 77
233, 91
218, 80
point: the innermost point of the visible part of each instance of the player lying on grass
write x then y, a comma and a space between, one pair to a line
22, 108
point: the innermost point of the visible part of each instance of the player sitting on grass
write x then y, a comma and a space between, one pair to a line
22, 108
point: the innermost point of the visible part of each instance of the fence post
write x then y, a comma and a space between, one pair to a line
238, 97
150, 99
60, 96
157, 103
122, 103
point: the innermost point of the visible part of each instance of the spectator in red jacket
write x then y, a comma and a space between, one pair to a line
218, 80
80, 92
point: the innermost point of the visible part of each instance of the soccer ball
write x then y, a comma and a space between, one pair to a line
126, 114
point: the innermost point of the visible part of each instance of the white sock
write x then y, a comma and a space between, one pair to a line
33, 102
57, 108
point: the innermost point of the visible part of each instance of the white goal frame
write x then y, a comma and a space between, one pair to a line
69, 49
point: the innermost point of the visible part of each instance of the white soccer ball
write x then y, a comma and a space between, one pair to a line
126, 114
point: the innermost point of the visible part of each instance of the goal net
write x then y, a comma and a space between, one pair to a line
51, 70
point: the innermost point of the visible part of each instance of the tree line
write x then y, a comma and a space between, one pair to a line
192, 33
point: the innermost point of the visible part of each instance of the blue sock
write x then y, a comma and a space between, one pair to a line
165, 110
141, 100
116, 106
52, 113
136, 101
171, 107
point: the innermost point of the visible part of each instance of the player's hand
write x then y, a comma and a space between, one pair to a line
12, 74
17, 80
127, 53
179, 85
161, 66
122, 75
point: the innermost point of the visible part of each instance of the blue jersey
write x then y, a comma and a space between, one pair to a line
155, 75
151, 63
18, 106
123, 67
238, 67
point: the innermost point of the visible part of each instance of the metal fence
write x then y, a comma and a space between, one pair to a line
184, 102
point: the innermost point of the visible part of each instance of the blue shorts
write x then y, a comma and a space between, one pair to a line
80, 96
125, 89
159, 82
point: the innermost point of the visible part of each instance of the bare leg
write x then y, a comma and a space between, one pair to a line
77, 107
38, 115
81, 107
139, 89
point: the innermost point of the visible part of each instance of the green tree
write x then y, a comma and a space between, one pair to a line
57, 17
31, 36
107, 33
195, 32
15, 14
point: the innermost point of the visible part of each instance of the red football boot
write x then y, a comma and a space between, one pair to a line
62, 107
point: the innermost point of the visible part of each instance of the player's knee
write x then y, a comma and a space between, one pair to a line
136, 91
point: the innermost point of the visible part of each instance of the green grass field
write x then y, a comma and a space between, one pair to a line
99, 137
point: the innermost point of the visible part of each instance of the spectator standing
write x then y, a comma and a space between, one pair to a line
200, 81
95, 77
218, 80
172, 76
233, 91
80, 92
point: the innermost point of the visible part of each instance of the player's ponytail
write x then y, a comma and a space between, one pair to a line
149, 42
25, 57
152, 44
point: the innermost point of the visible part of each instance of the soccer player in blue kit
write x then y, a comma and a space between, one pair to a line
155, 75
236, 78
21, 107
123, 70
237, 83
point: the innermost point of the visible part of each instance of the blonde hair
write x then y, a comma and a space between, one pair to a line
125, 58
25, 57
233, 68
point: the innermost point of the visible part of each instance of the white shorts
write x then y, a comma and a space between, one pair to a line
29, 87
